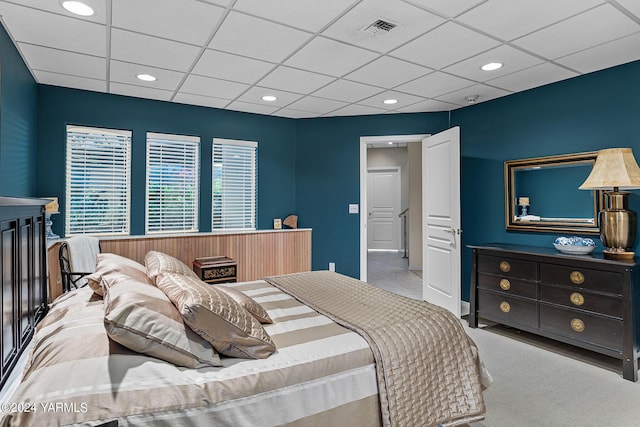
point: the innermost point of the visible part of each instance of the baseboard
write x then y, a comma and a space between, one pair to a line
465, 308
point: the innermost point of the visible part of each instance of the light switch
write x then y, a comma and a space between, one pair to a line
353, 208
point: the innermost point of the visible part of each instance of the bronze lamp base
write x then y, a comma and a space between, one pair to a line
618, 227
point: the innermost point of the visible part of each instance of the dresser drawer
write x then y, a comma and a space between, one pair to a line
604, 281
581, 326
582, 299
508, 309
508, 267
508, 285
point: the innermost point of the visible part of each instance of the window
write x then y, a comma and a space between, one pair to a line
172, 183
97, 181
234, 184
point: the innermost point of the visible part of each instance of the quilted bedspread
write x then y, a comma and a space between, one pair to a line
428, 369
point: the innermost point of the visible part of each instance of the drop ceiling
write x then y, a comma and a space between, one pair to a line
318, 57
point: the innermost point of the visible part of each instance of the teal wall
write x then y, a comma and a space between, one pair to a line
58, 107
18, 122
587, 113
328, 179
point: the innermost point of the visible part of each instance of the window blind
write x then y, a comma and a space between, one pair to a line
97, 181
172, 183
234, 184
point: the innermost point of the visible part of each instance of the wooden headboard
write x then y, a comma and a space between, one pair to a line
258, 253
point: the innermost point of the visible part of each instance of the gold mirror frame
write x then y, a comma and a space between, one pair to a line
554, 224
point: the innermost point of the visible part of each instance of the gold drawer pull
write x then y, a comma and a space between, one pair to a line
577, 325
505, 307
576, 298
505, 266
576, 277
505, 284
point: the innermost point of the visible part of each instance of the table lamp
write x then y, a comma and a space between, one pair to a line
616, 169
51, 208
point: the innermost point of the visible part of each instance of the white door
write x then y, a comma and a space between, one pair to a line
441, 219
383, 188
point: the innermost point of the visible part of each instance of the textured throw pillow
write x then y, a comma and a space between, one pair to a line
158, 262
217, 317
141, 318
248, 303
112, 263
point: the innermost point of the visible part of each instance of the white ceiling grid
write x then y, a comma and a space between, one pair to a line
315, 55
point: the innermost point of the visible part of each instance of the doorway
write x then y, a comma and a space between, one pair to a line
389, 142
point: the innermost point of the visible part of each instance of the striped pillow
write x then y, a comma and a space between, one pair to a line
140, 317
217, 317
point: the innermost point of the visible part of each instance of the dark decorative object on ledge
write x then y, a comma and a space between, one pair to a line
216, 269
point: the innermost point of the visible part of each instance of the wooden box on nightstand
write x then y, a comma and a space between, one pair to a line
216, 269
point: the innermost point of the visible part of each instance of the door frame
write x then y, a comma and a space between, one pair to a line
397, 199
364, 142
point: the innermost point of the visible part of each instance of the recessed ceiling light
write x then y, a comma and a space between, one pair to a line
146, 77
269, 98
390, 101
78, 8
491, 66
390, 142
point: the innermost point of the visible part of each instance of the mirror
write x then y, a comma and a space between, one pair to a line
541, 194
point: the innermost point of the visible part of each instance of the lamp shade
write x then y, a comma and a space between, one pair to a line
614, 168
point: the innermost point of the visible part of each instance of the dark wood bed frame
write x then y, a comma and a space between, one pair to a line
23, 250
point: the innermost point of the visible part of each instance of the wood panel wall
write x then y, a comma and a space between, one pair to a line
259, 254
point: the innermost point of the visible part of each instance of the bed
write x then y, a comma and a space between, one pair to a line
346, 353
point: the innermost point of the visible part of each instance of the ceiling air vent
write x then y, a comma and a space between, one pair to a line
379, 27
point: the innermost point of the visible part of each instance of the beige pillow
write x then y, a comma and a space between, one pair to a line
141, 318
217, 317
248, 303
112, 263
158, 262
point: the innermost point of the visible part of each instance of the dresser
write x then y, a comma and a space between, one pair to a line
583, 300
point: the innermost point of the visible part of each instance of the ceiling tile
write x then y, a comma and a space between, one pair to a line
125, 72
508, 19
204, 101
512, 58
632, 6
226, 66
599, 25
435, 84
224, 3
64, 80
316, 105
216, 88
147, 50
310, 15
403, 100
140, 92
245, 35
387, 72
539, 75
484, 93
347, 91
188, 21
60, 61
448, 8
99, 7
606, 55
255, 94
294, 80
410, 20
294, 114
444, 46
330, 57
357, 110
430, 105
251, 108
52, 30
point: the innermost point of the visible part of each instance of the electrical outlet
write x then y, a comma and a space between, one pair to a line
332, 266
